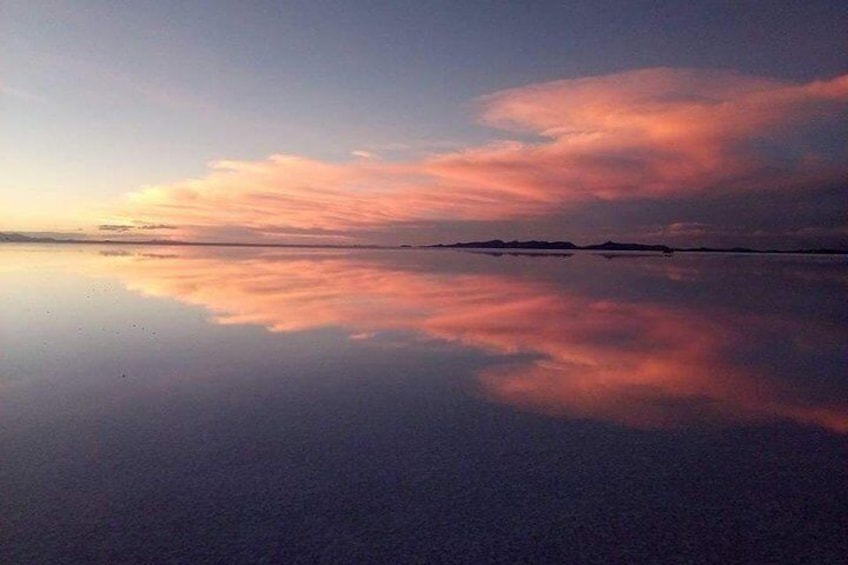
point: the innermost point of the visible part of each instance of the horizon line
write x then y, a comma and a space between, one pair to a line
609, 245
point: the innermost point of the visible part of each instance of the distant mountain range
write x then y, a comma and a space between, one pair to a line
18, 238
609, 246
6, 237
617, 246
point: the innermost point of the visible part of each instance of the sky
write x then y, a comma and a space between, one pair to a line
708, 123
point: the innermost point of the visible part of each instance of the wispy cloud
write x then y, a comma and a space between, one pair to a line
20, 94
124, 228
363, 154
647, 134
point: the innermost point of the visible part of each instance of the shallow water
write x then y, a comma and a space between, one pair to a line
221, 404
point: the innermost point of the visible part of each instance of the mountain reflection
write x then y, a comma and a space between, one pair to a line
641, 363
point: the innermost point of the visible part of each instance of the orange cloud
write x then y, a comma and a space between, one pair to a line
655, 133
641, 364
660, 105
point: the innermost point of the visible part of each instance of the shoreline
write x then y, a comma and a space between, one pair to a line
610, 247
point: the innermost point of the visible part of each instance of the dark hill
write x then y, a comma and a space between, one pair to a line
500, 244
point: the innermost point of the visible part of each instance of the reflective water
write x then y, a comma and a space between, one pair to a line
190, 404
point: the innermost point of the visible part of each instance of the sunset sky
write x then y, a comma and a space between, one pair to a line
703, 123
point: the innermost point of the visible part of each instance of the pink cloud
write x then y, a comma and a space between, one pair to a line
655, 133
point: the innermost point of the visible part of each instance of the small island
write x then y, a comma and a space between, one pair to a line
618, 246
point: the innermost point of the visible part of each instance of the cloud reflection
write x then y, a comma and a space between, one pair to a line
564, 352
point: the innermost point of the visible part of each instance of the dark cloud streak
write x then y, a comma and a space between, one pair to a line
124, 228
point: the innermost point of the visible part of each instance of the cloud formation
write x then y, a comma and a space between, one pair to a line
645, 134
363, 154
124, 228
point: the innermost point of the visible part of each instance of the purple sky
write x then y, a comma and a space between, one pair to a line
716, 123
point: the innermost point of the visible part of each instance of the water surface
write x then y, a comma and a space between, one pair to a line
189, 404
